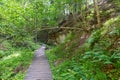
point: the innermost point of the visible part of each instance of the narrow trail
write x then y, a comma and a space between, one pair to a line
39, 69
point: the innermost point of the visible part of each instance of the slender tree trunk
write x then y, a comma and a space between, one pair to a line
97, 12
35, 23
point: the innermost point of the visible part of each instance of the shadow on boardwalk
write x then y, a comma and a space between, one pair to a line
39, 69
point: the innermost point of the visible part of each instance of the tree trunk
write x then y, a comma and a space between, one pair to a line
97, 12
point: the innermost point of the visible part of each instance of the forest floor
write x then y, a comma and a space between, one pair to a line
39, 69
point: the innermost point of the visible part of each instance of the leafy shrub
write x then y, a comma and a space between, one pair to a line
14, 65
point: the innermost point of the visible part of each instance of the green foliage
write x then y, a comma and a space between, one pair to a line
101, 62
17, 59
21, 22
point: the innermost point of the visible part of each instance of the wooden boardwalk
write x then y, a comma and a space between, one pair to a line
39, 69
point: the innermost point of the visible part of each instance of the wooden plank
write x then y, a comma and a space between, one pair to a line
39, 69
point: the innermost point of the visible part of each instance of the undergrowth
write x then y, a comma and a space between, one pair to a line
97, 59
14, 61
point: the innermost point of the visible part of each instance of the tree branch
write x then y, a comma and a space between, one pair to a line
60, 28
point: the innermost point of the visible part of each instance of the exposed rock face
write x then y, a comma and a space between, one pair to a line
84, 20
